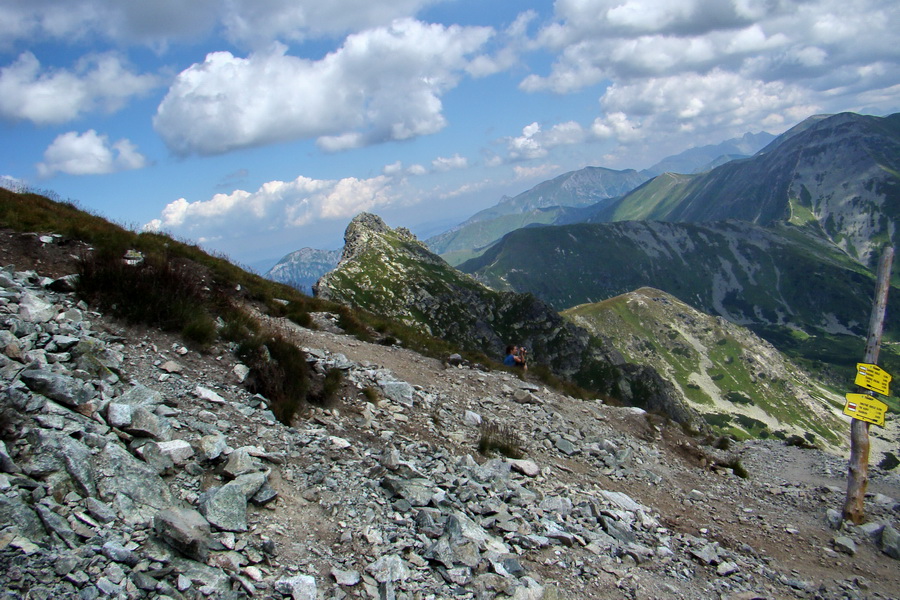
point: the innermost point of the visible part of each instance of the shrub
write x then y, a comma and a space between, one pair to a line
500, 439
278, 371
157, 292
200, 330
799, 442
738, 398
326, 391
239, 326
723, 443
889, 462
371, 394
738, 469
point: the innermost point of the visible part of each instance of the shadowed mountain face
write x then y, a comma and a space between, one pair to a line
748, 274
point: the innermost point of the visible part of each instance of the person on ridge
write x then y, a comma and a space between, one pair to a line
515, 357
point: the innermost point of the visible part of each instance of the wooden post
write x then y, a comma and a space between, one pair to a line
858, 478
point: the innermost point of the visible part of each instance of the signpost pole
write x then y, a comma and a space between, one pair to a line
858, 478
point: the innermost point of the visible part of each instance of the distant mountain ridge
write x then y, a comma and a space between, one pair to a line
837, 175
301, 269
704, 158
576, 196
746, 273
585, 187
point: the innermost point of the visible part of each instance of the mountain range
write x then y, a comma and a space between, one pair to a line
575, 196
781, 242
839, 176
302, 268
389, 272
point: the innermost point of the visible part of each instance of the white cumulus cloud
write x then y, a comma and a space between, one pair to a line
89, 153
254, 23
276, 205
449, 163
153, 23
247, 23
381, 84
50, 96
716, 68
537, 143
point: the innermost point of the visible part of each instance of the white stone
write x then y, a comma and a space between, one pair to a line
241, 371
35, 309
208, 395
525, 467
178, 450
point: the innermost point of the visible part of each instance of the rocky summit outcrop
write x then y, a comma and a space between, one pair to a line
133, 467
390, 272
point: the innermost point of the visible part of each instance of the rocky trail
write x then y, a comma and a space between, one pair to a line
134, 467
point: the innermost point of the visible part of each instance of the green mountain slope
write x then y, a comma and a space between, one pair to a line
792, 287
740, 384
389, 272
838, 175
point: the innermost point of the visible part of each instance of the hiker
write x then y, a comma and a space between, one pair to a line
515, 357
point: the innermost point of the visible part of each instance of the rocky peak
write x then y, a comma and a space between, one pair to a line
366, 229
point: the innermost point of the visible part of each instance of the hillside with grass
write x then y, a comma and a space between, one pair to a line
390, 272
740, 384
794, 289
836, 175
205, 299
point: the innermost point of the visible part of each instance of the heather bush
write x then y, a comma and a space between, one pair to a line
279, 372
499, 439
156, 292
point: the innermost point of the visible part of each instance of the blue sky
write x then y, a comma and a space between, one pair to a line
257, 127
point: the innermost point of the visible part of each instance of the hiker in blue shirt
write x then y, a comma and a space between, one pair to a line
515, 357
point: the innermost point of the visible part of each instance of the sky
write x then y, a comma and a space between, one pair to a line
257, 127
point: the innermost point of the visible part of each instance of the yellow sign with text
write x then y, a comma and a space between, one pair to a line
865, 408
873, 377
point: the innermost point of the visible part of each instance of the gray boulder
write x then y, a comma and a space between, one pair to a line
225, 507
185, 530
132, 485
890, 542
298, 587
66, 390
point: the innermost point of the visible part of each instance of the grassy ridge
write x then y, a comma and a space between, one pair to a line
182, 288
741, 386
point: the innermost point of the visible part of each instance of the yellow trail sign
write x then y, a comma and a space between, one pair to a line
873, 377
865, 408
